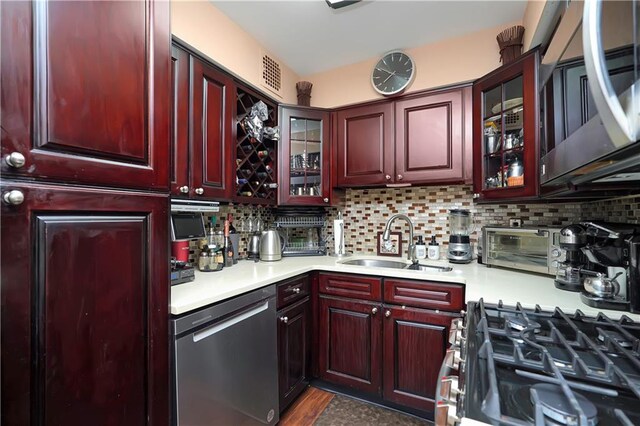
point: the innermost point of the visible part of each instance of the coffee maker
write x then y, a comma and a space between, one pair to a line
460, 227
572, 239
611, 275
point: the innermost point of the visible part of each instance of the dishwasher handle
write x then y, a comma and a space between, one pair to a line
239, 317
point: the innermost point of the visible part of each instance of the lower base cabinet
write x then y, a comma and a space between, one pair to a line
385, 350
294, 344
349, 344
414, 344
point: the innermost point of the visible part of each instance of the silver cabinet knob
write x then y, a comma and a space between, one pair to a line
400, 177
374, 311
199, 191
387, 313
284, 319
476, 196
326, 200
387, 177
13, 197
296, 290
15, 160
184, 189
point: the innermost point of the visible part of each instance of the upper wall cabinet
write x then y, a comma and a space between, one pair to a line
202, 122
305, 156
506, 132
420, 139
85, 92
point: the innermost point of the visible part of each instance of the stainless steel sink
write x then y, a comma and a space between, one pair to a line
379, 263
430, 268
376, 263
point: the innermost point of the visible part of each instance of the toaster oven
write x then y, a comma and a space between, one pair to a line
529, 249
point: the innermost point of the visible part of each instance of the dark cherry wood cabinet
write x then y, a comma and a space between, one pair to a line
202, 122
294, 350
213, 94
506, 132
84, 307
418, 139
85, 92
414, 344
305, 157
349, 344
180, 83
365, 145
433, 135
381, 340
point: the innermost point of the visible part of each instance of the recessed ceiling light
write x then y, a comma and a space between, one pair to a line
337, 4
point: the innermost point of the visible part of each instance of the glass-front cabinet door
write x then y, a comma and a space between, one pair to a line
506, 134
305, 152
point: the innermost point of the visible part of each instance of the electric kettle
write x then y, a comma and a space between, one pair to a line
271, 243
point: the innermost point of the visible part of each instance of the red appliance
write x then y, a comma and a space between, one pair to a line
180, 250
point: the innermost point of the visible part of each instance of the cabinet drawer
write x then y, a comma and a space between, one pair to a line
424, 294
292, 290
359, 287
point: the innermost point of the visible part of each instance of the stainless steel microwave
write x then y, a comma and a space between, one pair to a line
589, 79
529, 249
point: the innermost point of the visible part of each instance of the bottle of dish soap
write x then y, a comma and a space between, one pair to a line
434, 249
421, 248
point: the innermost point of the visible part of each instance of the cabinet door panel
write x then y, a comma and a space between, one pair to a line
179, 168
431, 137
365, 145
86, 91
349, 344
85, 315
414, 345
294, 343
212, 139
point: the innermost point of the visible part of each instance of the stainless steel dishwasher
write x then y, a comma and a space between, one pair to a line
225, 363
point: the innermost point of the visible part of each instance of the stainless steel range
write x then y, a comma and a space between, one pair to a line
519, 366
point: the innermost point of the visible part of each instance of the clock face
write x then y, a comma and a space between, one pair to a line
393, 73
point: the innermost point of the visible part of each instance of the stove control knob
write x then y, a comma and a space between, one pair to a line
452, 359
446, 414
555, 253
455, 337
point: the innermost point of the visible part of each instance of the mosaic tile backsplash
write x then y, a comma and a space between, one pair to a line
365, 212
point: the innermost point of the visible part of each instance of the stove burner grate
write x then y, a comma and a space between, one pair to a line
556, 406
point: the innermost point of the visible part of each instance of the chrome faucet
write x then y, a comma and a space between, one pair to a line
411, 253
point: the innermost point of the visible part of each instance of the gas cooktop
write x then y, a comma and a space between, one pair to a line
529, 366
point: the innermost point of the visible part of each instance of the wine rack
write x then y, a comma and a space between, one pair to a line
256, 161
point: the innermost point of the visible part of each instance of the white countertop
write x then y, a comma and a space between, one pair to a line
491, 284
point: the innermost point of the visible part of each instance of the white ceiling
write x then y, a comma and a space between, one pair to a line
310, 37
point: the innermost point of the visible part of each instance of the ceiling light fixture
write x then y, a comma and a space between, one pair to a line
337, 4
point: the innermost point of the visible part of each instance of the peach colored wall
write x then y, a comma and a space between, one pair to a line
206, 28
443, 63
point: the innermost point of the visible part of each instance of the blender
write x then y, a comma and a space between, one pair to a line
460, 227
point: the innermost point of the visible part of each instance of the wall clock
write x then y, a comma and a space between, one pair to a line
393, 73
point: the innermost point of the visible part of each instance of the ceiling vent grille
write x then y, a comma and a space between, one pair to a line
271, 74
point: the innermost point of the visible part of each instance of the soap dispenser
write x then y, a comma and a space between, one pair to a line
434, 249
421, 248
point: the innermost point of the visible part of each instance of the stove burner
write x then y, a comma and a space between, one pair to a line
556, 407
615, 336
520, 323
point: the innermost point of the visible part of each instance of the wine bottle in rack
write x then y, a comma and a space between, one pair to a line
263, 153
242, 181
269, 166
245, 193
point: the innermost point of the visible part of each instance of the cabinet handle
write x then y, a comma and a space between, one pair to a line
296, 290
374, 311
15, 160
284, 319
387, 313
326, 200
184, 189
387, 177
14, 197
199, 191
476, 195
400, 177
